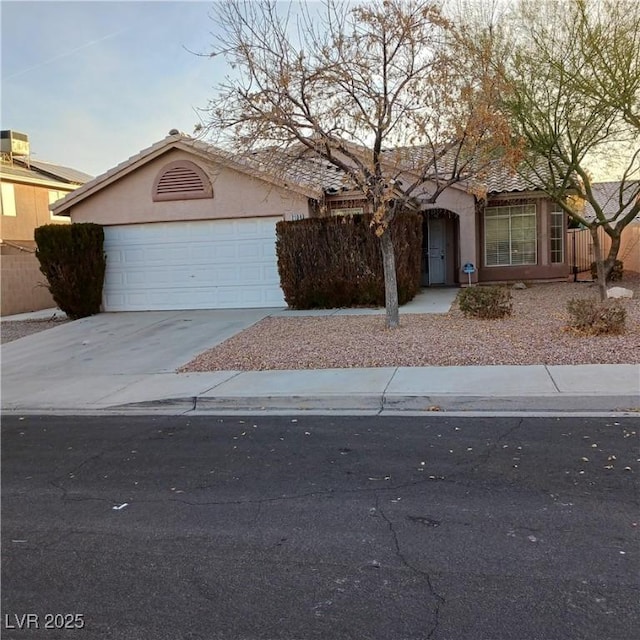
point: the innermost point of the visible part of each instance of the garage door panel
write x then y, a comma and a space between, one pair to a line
192, 265
167, 299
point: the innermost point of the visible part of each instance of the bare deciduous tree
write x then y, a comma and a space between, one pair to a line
376, 90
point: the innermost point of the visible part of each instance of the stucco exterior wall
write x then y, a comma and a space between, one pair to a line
464, 205
32, 211
235, 195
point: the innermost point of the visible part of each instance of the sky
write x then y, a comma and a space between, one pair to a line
93, 83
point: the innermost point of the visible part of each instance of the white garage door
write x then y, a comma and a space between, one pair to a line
208, 264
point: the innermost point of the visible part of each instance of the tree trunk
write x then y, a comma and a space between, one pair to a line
392, 319
612, 256
602, 283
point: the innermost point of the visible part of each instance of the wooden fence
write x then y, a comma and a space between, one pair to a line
580, 252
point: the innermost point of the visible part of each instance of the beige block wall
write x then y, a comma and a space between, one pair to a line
629, 251
21, 285
630, 247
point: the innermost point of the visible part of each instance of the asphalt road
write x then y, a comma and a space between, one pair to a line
270, 528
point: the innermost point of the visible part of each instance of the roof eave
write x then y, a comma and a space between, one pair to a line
518, 193
115, 173
189, 145
40, 182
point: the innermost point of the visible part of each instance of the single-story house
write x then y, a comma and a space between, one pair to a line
188, 226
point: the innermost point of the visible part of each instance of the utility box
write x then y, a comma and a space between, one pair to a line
14, 143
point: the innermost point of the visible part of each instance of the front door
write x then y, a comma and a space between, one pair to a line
436, 258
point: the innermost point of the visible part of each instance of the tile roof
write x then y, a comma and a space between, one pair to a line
296, 168
302, 167
255, 165
298, 165
608, 193
503, 179
497, 178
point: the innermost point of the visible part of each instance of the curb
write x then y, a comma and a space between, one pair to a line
392, 403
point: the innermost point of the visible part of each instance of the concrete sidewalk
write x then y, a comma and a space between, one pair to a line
576, 389
124, 362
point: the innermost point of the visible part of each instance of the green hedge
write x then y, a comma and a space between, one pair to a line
73, 260
337, 261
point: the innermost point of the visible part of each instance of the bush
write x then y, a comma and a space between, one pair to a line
73, 261
337, 262
614, 276
485, 302
590, 317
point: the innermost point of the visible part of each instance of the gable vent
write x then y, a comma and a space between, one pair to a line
181, 180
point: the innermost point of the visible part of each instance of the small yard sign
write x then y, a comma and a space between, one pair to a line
469, 269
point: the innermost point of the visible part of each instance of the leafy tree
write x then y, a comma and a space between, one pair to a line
376, 90
572, 74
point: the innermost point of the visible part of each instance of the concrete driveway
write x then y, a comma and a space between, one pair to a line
111, 350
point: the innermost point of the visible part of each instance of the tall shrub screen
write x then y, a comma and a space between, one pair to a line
337, 262
72, 259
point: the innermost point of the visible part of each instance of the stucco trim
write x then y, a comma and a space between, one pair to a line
50, 184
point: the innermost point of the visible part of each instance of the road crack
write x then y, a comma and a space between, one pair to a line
439, 599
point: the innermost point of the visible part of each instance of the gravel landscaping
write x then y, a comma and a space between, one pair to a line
11, 330
534, 334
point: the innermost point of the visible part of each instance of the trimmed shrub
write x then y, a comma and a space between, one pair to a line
614, 276
594, 318
337, 262
487, 303
73, 261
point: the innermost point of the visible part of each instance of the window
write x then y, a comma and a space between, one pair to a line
510, 235
557, 237
7, 199
54, 196
181, 180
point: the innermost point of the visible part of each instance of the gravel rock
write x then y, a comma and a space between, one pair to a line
14, 329
534, 334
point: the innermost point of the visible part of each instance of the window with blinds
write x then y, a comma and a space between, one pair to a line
510, 235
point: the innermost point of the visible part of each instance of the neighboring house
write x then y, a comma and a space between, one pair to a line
607, 194
188, 226
27, 188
